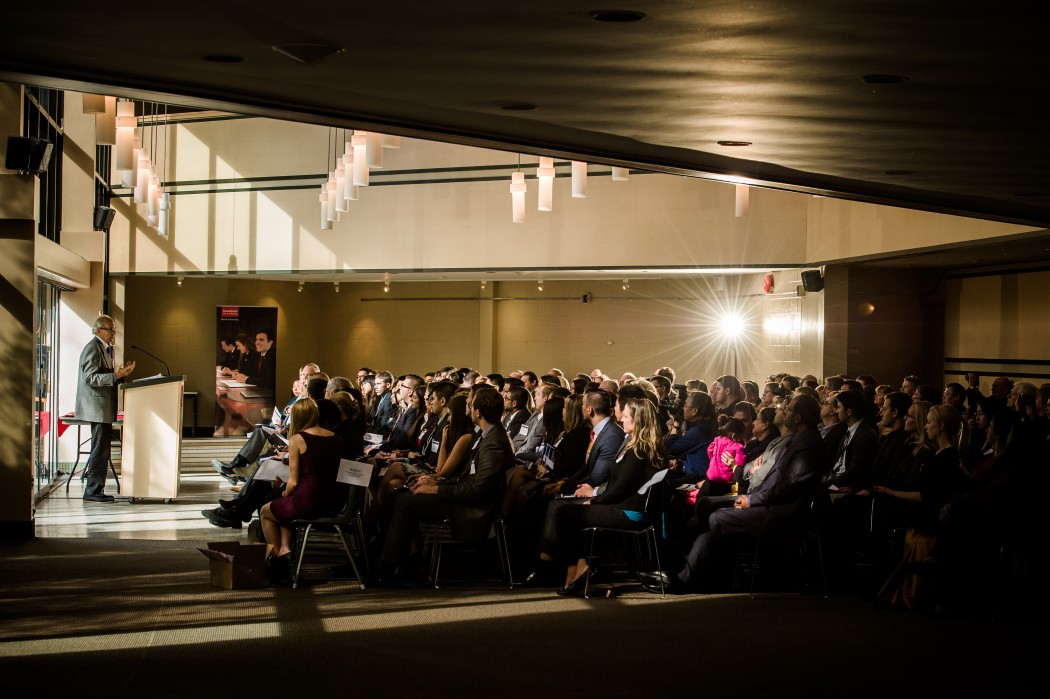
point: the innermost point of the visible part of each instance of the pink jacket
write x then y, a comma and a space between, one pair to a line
718, 471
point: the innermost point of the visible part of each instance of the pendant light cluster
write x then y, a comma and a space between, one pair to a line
361, 153
135, 152
545, 175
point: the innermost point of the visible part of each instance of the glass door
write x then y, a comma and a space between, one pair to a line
45, 389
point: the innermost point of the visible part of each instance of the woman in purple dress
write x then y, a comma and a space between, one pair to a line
312, 491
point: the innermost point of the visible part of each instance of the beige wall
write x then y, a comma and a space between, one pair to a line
998, 317
422, 326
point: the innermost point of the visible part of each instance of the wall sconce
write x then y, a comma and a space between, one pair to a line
626, 284
483, 282
386, 287
178, 281
540, 285
301, 285
336, 287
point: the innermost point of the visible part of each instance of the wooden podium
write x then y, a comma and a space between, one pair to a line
152, 439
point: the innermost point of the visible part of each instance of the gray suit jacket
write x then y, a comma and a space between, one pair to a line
96, 385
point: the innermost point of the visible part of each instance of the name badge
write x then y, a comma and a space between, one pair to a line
524, 431
473, 468
434, 446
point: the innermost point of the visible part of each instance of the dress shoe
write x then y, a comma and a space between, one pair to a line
101, 497
221, 467
652, 581
279, 570
222, 518
227, 504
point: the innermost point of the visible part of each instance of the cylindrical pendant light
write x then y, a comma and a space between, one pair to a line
620, 174
391, 141
350, 190
517, 196
375, 151
124, 152
743, 200
326, 225
153, 194
141, 177
331, 199
106, 124
579, 180
342, 204
94, 104
545, 175
360, 141
162, 219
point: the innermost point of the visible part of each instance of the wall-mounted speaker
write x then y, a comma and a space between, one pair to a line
104, 218
812, 280
28, 154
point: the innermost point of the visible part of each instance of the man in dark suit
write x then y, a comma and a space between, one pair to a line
383, 407
97, 402
783, 496
855, 458
470, 501
262, 366
515, 409
606, 440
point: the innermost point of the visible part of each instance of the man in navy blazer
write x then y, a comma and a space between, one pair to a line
783, 496
97, 402
606, 439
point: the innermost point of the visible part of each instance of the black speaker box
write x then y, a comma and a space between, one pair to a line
27, 154
812, 280
104, 218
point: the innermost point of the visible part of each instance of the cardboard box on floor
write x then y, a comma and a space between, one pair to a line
237, 566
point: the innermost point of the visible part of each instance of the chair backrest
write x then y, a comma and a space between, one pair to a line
657, 502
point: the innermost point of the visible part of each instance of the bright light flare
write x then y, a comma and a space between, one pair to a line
732, 326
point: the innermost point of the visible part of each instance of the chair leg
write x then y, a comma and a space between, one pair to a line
362, 544
820, 559
299, 555
437, 564
590, 557
346, 547
504, 551
654, 551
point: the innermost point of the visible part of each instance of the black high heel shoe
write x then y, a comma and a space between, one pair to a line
577, 586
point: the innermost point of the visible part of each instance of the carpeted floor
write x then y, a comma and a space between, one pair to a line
106, 617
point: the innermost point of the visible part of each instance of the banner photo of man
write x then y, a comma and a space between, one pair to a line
245, 367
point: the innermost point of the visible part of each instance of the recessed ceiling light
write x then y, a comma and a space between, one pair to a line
734, 143
516, 106
883, 78
616, 15
222, 58
898, 172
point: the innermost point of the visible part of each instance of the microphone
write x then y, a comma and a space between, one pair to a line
167, 371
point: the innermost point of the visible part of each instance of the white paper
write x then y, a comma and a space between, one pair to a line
235, 384
373, 438
270, 469
276, 417
660, 475
354, 472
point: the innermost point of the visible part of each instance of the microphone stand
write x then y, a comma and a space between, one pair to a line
167, 371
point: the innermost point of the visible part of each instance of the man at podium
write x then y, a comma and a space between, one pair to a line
97, 402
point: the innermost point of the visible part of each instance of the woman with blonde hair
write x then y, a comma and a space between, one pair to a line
619, 505
312, 491
939, 480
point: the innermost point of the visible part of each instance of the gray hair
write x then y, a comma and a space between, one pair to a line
97, 325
